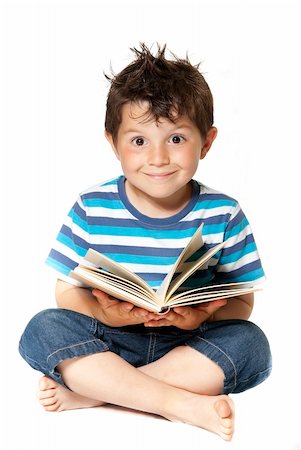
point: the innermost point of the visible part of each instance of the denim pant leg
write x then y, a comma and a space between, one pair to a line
54, 335
240, 348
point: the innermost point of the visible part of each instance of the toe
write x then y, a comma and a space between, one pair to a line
223, 408
46, 383
46, 394
48, 401
52, 408
226, 423
226, 437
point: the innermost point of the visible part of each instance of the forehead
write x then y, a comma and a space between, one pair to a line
138, 113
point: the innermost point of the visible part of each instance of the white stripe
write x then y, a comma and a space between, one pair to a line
147, 268
162, 268
98, 211
136, 241
231, 241
208, 213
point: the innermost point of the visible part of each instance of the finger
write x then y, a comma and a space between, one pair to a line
143, 315
157, 323
183, 310
100, 295
214, 306
126, 306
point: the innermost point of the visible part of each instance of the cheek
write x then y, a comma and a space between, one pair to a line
190, 160
131, 160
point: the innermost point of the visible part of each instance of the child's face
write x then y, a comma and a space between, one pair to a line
158, 159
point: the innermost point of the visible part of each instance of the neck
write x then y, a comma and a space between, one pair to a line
159, 208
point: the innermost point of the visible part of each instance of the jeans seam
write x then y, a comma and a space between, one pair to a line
256, 374
225, 354
151, 348
93, 326
72, 346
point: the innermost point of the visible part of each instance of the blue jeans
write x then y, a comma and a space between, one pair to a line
239, 347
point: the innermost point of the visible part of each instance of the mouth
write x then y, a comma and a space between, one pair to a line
159, 176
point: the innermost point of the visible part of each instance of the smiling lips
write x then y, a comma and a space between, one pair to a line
159, 176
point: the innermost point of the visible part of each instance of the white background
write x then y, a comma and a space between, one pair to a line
53, 93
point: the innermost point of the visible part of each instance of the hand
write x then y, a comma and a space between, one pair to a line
116, 313
185, 317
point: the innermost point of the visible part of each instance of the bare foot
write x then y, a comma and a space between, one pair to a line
55, 397
213, 413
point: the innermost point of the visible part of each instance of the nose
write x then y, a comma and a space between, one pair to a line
158, 155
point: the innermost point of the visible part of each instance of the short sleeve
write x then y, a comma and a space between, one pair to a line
239, 261
71, 244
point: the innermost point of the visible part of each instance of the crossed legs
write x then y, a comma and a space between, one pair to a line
183, 385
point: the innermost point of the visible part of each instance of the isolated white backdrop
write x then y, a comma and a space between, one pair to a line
52, 106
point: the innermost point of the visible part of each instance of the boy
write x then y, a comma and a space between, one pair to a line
95, 349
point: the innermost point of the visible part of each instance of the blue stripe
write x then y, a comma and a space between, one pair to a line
97, 195
235, 256
247, 272
250, 276
79, 221
214, 201
239, 218
141, 259
138, 232
81, 251
153, 284
236, 229
54, 255
103, 203
152, 277
214, 229
219, 219
78, 241
78, 211
249, 239
132, 223
58, 266
132, 250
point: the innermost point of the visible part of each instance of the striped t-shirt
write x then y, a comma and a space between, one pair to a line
103, 219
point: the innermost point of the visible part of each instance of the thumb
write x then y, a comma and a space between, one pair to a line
126, 306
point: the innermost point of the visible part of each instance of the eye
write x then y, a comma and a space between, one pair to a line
177, 139
138, 141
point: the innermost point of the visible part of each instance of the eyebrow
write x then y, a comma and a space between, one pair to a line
181, 126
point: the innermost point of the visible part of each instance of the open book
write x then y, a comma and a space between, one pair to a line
111, 277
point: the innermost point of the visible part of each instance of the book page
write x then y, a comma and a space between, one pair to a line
193, 300
195, 243
215, 287
193, 268
212, 292
104, 262
117, 287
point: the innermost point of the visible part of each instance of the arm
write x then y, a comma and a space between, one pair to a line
188, 318
99, 305
239, 307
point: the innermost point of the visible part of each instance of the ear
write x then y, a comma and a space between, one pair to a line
211, 135
110, 139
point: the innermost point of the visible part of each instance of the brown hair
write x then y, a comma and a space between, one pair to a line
171, 87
